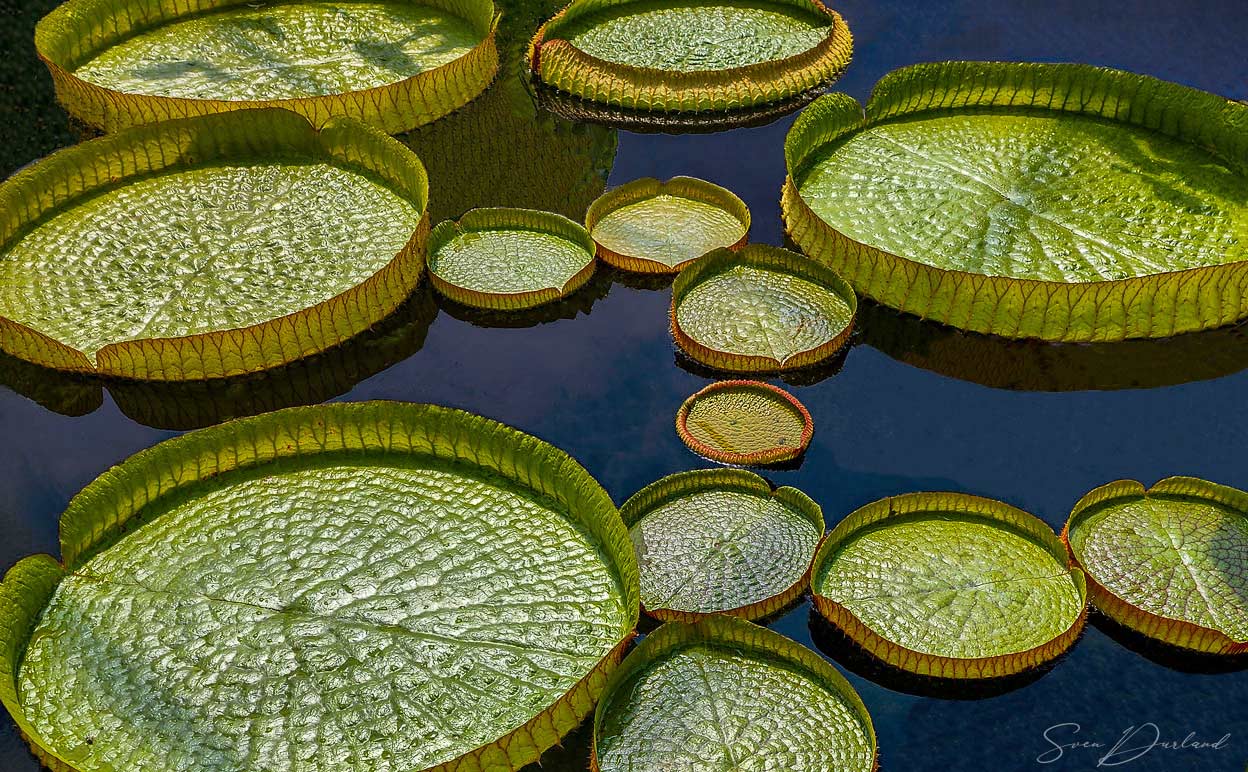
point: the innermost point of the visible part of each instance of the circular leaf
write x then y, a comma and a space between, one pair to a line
721, 541
509, 259
1051, 201
208, 247
746, 423
392, 64
658, 227
360, 585
1170, 562
950, 585
727, 694
692, 57
760, 309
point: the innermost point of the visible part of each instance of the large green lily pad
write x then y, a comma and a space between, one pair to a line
396, 64
691, 56
367, 585
761, 308
1170, 562
950, 585
509, 259
208, 247
727, 694
721, 541
1053, 201
658, 227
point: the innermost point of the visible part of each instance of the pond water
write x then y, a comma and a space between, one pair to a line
910, 407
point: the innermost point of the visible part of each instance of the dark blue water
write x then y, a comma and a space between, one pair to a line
605, 385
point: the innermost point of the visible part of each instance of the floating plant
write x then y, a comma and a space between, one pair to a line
760, 309
509, 259
1170, 562
746, 423
726, 694
367, 583
950, 585
1052, 201
390, 63
721, 541
691, 57
208, 247
658, 227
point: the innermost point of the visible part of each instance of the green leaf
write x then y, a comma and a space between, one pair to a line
1170, 562
358, 584
745, 423
208, 247
702, 56
721, 541
726, 694
509, 258
950, 585
658, 227
761, 308
118, 63
1054, 201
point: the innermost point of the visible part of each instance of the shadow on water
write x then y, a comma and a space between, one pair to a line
579, 302
1032, 365
802, 376
1172, 657
195, 404
838, 646
501, 149
573, 108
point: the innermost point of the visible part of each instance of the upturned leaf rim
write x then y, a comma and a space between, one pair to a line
996, 513
681, 484
1175, 632
562, 66
79, 29
103, 511
77, 172
1153, 306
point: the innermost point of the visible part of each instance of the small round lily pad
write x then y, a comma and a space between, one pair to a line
691, 57
390, 63
760, 309
721, 541
950, 585
368, 585
746, 423
1170, 562
722, 693
208, 247
658, 227
509, 259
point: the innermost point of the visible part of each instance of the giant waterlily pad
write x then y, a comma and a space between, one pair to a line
721, 541
374, 585
950, 585
745, 423
691, 56
209, 246
509, 259
760, 309
658, 227
1061, 202
727, 694
391, 63
1170, 562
